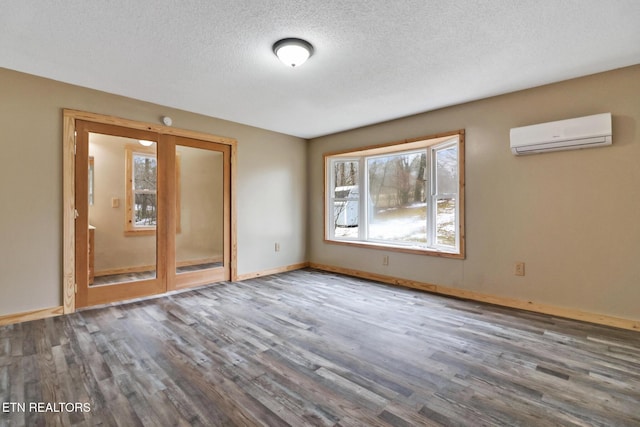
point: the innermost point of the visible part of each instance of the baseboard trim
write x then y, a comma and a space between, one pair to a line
567, 313
152, 267
599, 319
277, 270
31, 315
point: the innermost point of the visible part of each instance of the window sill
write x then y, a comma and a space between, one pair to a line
394, 248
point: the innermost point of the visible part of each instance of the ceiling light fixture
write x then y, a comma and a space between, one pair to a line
146, 142
292, 52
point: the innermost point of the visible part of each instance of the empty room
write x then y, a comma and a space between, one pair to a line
366, 213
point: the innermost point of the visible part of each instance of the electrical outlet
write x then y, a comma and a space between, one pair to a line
385, 260
519, 269
277, 247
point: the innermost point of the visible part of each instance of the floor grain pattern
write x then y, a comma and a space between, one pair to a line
319, 349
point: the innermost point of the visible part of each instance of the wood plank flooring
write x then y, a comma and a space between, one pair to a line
312, 348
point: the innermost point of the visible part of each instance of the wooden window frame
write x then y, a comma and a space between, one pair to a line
129, 228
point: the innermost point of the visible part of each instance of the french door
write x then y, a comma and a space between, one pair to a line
152, 212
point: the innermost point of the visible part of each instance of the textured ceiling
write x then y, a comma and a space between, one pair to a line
374, 60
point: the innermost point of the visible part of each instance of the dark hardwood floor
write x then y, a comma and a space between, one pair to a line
313, 348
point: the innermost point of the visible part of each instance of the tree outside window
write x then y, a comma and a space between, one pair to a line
145, 172
404, 196
141, 214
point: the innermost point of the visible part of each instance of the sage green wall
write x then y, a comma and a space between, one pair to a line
271, 187
573, 217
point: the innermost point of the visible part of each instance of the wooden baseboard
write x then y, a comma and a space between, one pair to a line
30, 315
143, 268
599, 319
568, 313
125, 270
284, 269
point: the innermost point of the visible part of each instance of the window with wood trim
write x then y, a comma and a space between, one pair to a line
406, 196
141, 193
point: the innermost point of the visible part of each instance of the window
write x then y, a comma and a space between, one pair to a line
142, 198
141, 192
405, 196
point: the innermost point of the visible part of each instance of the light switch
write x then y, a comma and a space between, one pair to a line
115, 202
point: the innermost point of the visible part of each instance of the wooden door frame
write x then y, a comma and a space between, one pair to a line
86, 295
69, 287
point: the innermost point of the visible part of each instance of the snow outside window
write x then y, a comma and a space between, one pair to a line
405, 196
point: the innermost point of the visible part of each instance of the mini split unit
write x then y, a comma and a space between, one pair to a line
572, 134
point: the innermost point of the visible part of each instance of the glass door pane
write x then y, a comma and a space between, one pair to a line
123, 210
200, 193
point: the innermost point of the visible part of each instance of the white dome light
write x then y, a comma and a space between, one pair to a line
292, 52
145, 142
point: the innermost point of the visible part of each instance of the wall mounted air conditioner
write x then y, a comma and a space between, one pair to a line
572, 134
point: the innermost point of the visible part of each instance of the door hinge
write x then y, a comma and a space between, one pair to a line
75, 288
75, 143
76, 214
